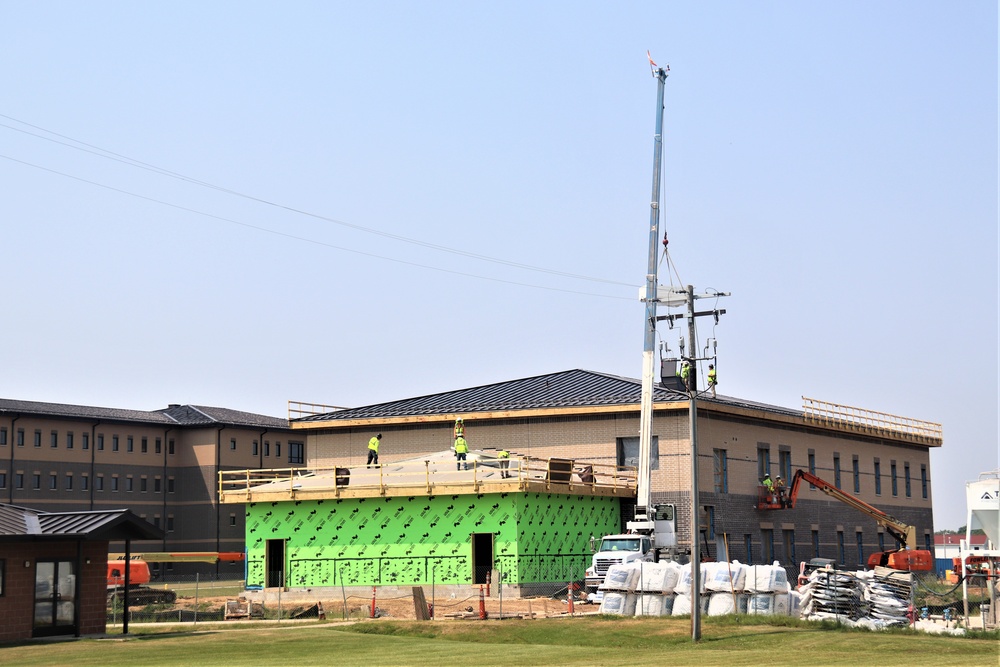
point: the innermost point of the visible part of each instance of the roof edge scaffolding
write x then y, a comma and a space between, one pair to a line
435, 475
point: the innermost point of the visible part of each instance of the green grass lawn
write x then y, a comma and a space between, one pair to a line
566, 641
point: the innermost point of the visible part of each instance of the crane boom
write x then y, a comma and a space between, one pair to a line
902, 532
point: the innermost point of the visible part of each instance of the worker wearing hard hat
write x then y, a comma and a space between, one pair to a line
779, 486
373, 449
461, 449
769, 485
459, 428
504, 457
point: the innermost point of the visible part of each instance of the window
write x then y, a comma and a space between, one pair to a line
789, 543
156, 520
767, 545
170, 446
812, 465
170, 484
156, 485
3, 480
927, 542
923, 481
170, 523
36, 481
158, 446
114, 443
785, 463
232, 445
20, 437
53, 482
710, 522
256, 448
129, 444
856, 471
38, 438
721, 468
142, 484
144, 445
85, 440
114, 483
100, 442
836, 470
892, 477
267, 448
861, 549
69, 439
815, 537
763, 461
277, 450
232, 519
296, 453
128, 483
878, 478
748, 544
3, 435
54, 439
99, 483
84, 483
881, 541
69, 481
626, 449
906, 479
19, 480
841, 556
3, 575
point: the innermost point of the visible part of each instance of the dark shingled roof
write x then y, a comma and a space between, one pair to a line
18, 524
175, 415
566, 389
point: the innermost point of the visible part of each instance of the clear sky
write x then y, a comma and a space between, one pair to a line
241, 203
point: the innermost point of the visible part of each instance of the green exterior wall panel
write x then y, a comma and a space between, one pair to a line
537, 538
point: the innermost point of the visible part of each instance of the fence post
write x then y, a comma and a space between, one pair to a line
197, 578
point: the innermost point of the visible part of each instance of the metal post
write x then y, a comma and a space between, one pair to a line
695, 514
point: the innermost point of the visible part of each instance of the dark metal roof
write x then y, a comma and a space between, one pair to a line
175, 415
22, 523
566, 389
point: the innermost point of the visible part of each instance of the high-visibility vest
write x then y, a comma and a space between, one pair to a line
685, 371
711, 377
373, 444
503, 454
768, 483
459, 429
461, 446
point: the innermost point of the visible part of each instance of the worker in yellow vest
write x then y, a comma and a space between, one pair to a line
459, 428
373, 449
712, 379
461, 449
504, 457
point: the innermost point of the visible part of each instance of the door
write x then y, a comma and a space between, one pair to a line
275, 563
55, 598
482, 557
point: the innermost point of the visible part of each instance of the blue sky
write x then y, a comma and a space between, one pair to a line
300, 199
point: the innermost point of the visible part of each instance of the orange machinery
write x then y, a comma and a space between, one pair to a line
907, 557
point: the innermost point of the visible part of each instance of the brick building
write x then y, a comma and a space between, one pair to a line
577, 414
160, 464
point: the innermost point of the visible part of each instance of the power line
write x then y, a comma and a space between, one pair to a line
302, 238
124, 159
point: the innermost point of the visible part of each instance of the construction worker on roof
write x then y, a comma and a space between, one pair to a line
373, 449
685, 371
713, 379
504, 457
459, 428
461, 449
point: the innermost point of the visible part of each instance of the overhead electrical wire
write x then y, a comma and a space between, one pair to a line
124, 159
302, 238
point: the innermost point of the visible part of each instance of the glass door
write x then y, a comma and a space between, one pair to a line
55, 602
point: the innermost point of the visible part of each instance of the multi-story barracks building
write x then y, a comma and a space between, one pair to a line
573, 440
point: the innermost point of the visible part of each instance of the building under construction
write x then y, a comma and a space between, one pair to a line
573, 439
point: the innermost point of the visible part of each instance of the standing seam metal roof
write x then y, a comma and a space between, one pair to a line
179, 415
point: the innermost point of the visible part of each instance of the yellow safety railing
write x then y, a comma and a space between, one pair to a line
871, 421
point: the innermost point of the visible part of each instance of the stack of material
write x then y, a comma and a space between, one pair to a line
656, 588
619, 589
768, 588
876, 599
830, 594
684, 594
726, 588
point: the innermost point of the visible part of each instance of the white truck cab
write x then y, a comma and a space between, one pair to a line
654, 535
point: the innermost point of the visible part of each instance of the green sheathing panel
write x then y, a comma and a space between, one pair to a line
405, 541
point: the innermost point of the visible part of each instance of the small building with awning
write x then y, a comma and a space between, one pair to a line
53, 569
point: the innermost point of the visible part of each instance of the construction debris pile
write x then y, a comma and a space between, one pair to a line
874, 599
